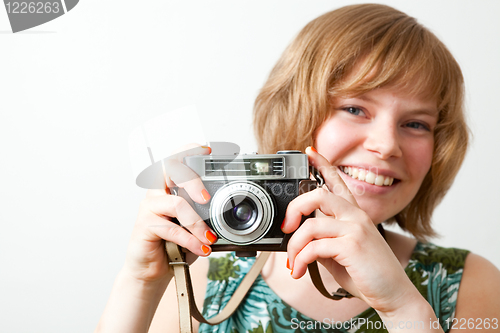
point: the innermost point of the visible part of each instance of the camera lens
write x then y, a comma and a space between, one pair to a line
240, 212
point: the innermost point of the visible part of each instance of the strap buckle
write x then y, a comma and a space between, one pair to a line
172, 263
341, 293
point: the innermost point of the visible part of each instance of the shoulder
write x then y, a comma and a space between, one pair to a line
479, 294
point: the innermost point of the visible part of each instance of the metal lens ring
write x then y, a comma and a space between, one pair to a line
241, 212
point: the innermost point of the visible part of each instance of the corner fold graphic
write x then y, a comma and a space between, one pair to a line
70, 4
26, 15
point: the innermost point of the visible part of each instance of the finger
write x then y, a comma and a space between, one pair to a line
331, 175
173, 206
313, 229
156, 192
190, 149
184, 177
178, 174
305, 204
161, 228
317, 249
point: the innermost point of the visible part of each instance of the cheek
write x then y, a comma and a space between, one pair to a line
334, 138
419, 158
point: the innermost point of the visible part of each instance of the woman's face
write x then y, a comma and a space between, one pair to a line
383, 142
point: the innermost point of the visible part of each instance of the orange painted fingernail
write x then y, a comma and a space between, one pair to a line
205, 147
313, 149
205, 195
205, 249
211, 237
287, 263
291, 273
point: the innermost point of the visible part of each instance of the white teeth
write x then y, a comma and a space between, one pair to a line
379, 180
367, 176
370, 177
355, 172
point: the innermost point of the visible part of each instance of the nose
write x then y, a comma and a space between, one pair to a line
382, 140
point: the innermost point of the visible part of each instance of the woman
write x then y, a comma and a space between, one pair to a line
381, 100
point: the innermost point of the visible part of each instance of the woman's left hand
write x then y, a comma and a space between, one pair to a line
346, 242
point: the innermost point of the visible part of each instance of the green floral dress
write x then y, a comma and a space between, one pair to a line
435, 271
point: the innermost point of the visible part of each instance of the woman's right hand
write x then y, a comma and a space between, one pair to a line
146, 257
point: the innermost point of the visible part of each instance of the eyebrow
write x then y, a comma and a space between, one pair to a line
426, 111
431, 112
365, 98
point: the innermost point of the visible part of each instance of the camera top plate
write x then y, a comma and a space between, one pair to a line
285, 165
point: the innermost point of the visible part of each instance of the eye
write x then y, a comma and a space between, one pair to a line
418, 126
354, 111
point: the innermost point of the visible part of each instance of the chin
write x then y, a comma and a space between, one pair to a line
372, 209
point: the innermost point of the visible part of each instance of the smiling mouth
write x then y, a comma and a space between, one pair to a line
368, 176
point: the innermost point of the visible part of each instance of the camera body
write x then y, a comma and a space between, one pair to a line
249, 197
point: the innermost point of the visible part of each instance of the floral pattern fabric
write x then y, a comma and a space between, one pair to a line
434, 270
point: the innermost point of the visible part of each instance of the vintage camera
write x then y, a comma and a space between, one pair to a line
250, 194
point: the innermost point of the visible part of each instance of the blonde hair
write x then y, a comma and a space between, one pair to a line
387, 48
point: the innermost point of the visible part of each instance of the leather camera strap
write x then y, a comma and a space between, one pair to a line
318, 283
185, 295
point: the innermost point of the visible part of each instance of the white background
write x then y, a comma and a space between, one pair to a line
72, 90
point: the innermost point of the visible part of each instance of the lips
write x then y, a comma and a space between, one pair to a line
368, 176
